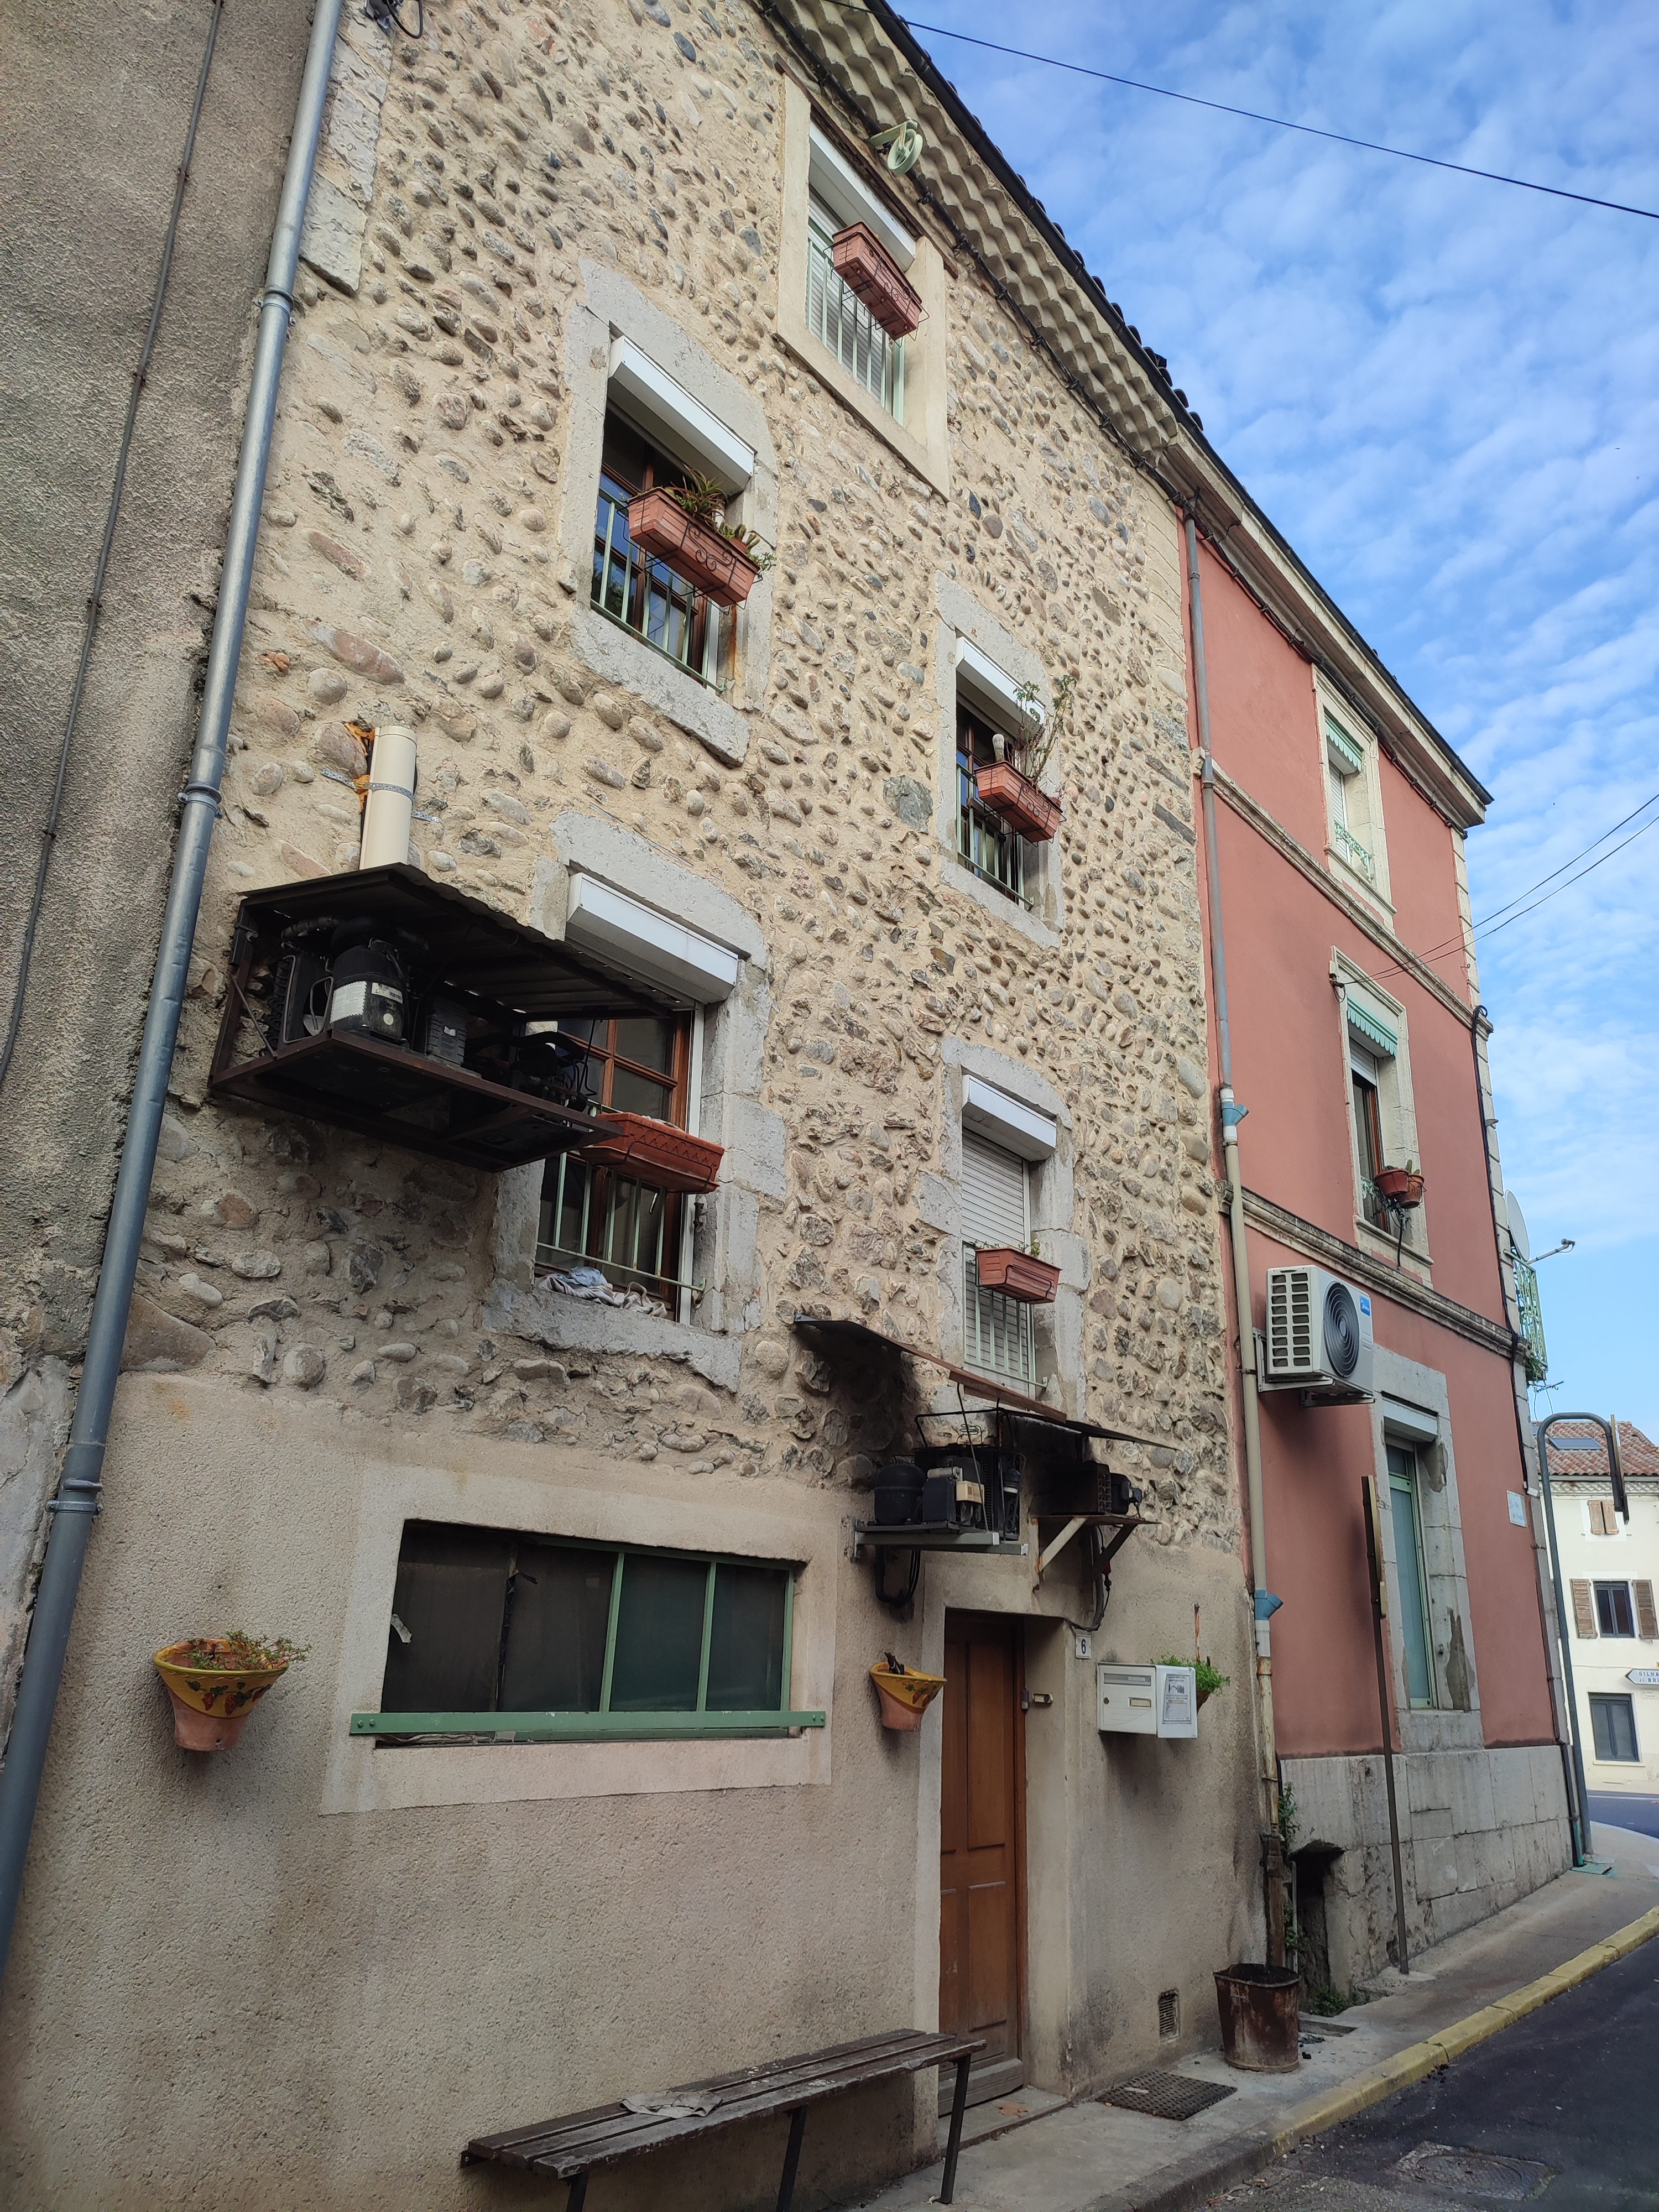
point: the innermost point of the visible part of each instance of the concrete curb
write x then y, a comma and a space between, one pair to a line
1418, 2059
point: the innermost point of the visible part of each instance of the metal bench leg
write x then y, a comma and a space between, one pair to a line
578, 2196
792, 2158
953, 2146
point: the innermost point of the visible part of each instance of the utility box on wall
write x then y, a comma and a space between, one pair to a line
1160, 1701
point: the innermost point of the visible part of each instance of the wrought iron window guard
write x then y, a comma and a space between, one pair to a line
1356, 854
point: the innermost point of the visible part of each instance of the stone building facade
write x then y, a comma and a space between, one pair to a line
539, 238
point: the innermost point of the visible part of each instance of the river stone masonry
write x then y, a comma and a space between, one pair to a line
410, 568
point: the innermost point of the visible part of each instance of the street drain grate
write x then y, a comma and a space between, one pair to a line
1168, 2096
1478, 2173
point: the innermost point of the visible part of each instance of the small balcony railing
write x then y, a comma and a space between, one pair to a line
985, 843
1532, 1318
643, 593
1353, 852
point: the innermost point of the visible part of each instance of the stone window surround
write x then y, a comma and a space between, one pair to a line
725, 1106
921, 441
961, 616
1442, 1726
359, 1779
1398, 1109
1377, 894
610, 309
1058, 1327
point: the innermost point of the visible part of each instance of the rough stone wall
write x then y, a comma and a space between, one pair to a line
409, 569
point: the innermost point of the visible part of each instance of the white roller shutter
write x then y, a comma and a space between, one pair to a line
995, 1211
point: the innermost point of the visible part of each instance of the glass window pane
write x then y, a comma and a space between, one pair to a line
561, 1609
1612, 1609
659, 1636
745, 1645
648, 1040
450, 1593
1613, 1721
1408, 1559
632, 1232
638, 1094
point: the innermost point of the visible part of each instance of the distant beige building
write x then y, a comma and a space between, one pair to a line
1610, 1571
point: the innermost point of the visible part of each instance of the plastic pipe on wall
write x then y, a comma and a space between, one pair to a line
1230, 1118
82, 1481
390, 808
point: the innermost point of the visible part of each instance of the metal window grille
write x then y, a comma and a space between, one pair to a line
1532, 1318
1352, 851
997, 1337
838, 317
645, 596
985, 843
624, 1229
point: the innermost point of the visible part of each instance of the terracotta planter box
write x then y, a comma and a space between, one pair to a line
1020, 802
1399, 1187
868, 268
692, 549
654, 1153
1017, 1275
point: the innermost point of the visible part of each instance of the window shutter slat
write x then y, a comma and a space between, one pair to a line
1584, 1611
1647, 1621
993, 1211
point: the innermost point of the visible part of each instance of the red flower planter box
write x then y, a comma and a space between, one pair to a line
1399, 1187
659, 525
654, 1153
867, 268
1017, 1275
1021, 803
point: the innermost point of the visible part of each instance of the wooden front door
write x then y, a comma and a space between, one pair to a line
982, 1840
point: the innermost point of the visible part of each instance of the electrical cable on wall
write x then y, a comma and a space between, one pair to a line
95, 599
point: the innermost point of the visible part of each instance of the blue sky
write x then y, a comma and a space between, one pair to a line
1446, 393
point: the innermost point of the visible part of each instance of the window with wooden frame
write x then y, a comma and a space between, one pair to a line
1365, 1075
640, 590
594, 1216
996, 852
501, 1634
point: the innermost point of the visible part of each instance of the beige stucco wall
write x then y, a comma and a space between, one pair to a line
221, 1984
1602, 1664
330, 1330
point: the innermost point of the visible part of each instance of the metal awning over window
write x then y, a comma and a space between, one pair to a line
852, 1339
1376, 1032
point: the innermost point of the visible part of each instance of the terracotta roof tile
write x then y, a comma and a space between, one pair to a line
1577, 1448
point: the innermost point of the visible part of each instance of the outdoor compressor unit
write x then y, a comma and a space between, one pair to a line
1318, 1334
1147, 1700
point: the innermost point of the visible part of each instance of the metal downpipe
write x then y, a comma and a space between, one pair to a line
1231, 1117
81, 1479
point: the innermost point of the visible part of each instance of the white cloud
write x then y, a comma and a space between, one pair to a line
1446, 393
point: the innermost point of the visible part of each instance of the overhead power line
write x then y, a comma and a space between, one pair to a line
1501, 917
1252, 115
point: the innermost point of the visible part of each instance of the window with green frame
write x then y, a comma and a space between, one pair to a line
1404, 1497
503, 1635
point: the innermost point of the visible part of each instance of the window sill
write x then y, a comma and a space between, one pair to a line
1379, 1244
632, 664
999, 904
543, 1315
1356, 879
795, 334
448, 1730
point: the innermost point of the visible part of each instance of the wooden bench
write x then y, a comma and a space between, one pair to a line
570, 2149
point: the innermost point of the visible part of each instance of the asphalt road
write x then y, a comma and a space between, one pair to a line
1562, 2110
1620, 1811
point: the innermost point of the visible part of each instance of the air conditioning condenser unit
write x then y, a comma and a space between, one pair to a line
1318, 1334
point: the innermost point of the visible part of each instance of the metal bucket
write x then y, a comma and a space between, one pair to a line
1258, 2008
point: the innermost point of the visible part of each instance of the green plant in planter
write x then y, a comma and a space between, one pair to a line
1210, 1678
240, 1653
704, 501
1040, 732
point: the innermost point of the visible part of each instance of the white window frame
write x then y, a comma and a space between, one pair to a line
1351, 779
1364, 1010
